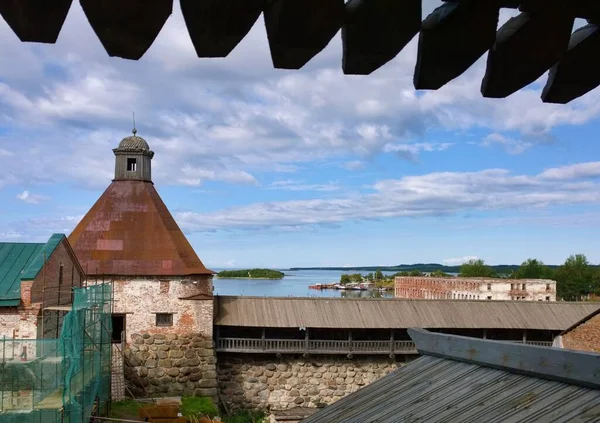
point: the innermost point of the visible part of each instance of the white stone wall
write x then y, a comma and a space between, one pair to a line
515, 289
141, 299
475, 289
8, 323
21, 325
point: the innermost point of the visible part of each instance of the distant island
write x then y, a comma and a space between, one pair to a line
423, 267
251, 274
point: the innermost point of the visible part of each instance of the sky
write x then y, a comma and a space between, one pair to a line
276, 168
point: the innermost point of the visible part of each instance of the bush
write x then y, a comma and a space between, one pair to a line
198, 407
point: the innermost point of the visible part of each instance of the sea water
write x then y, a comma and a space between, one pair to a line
294, 284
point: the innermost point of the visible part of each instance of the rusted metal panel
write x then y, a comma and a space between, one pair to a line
397, 313
129, 231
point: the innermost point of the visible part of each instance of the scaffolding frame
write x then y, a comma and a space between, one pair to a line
66, 378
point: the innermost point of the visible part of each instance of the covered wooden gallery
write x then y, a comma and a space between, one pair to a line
373, 32
379, 326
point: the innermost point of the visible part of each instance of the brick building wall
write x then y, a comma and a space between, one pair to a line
140, 299
51, 287
55, 282
585, 337
475, 289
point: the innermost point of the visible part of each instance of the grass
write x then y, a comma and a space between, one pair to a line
198, 407
246, 416
191, 407
126, 409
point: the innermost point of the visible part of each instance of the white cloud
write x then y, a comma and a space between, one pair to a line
353, 165
433, 194
411, 151
196, 176
11, 235
298, 185
30, 198
458, 260
228, 119
511, 145
575, 171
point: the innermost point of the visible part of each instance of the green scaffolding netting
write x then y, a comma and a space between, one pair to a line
61, 380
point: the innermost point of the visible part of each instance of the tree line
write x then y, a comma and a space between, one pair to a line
576, 278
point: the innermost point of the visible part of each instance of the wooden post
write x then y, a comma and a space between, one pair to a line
306, 343
263, 339
217, 336
350, 339
391, 341
524, 336
485, 334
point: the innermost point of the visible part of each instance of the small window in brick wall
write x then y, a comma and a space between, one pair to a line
164, 319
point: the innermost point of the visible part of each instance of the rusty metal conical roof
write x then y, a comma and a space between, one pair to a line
130, 232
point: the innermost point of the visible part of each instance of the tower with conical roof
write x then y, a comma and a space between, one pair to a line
130, 238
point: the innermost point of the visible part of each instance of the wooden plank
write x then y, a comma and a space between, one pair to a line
127, 29
573, 367
297, 30
375, 32
34, 20
217, 26
526, 47
452, 38
578, 72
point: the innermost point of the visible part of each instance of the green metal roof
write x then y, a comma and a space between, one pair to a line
21, 261
35, 266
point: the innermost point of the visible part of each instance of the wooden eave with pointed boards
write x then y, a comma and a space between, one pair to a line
373, 32
130, 232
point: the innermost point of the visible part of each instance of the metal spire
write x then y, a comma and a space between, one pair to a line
134, 130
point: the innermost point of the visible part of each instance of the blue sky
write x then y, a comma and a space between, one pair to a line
264, 167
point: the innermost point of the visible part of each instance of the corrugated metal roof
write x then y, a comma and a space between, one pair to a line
14, 260
37, 263
129, 231
432, 389
397, 313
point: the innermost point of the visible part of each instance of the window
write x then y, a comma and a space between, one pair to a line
512, 286
547, 298
131, 164
524, 287
164, 319
547, 287
489, 286
489, 298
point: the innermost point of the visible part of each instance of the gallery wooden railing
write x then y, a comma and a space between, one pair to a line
318, 346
